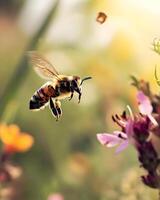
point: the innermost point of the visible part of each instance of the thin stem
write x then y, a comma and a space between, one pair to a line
130, 112
22, 69
156, 76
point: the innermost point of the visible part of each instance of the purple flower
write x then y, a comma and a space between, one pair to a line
148, 156
145, 106
141, 130
118, 138
152, 180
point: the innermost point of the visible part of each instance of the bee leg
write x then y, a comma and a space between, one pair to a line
79, 97
71, 96
78, 90
53, 109
58, 107
72, 91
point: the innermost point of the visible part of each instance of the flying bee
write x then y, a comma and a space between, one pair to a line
57, 87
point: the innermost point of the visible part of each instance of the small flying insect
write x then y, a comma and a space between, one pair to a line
57, 87
101, 17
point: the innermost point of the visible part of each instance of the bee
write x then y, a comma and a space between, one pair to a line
57, 87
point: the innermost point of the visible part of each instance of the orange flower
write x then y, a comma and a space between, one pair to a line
14, 140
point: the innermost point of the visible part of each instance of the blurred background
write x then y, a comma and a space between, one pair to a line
66, 157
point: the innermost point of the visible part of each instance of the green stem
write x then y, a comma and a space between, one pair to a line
23, 68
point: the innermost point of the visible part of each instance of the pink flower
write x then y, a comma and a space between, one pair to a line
118, 138
142, 131
56, 196
145, 106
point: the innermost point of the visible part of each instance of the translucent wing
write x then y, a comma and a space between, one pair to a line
43, 68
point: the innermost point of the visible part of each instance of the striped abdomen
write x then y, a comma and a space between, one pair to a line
42, 96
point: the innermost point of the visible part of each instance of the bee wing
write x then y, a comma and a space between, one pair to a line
43, 68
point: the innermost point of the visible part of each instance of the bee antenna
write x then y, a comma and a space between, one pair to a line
86, 78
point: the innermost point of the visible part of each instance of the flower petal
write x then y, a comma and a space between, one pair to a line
129, 128
108, 140
153, 120
14, 140
120, 134
122, 146
56, 196
24, 142
145, 106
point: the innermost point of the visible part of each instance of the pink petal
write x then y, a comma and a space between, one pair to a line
122, 146
153, 120
141, 97
56, 196
117, 133
145, 106
129, 128
108, 140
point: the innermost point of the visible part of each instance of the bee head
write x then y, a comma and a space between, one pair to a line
77, 82
76, 85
